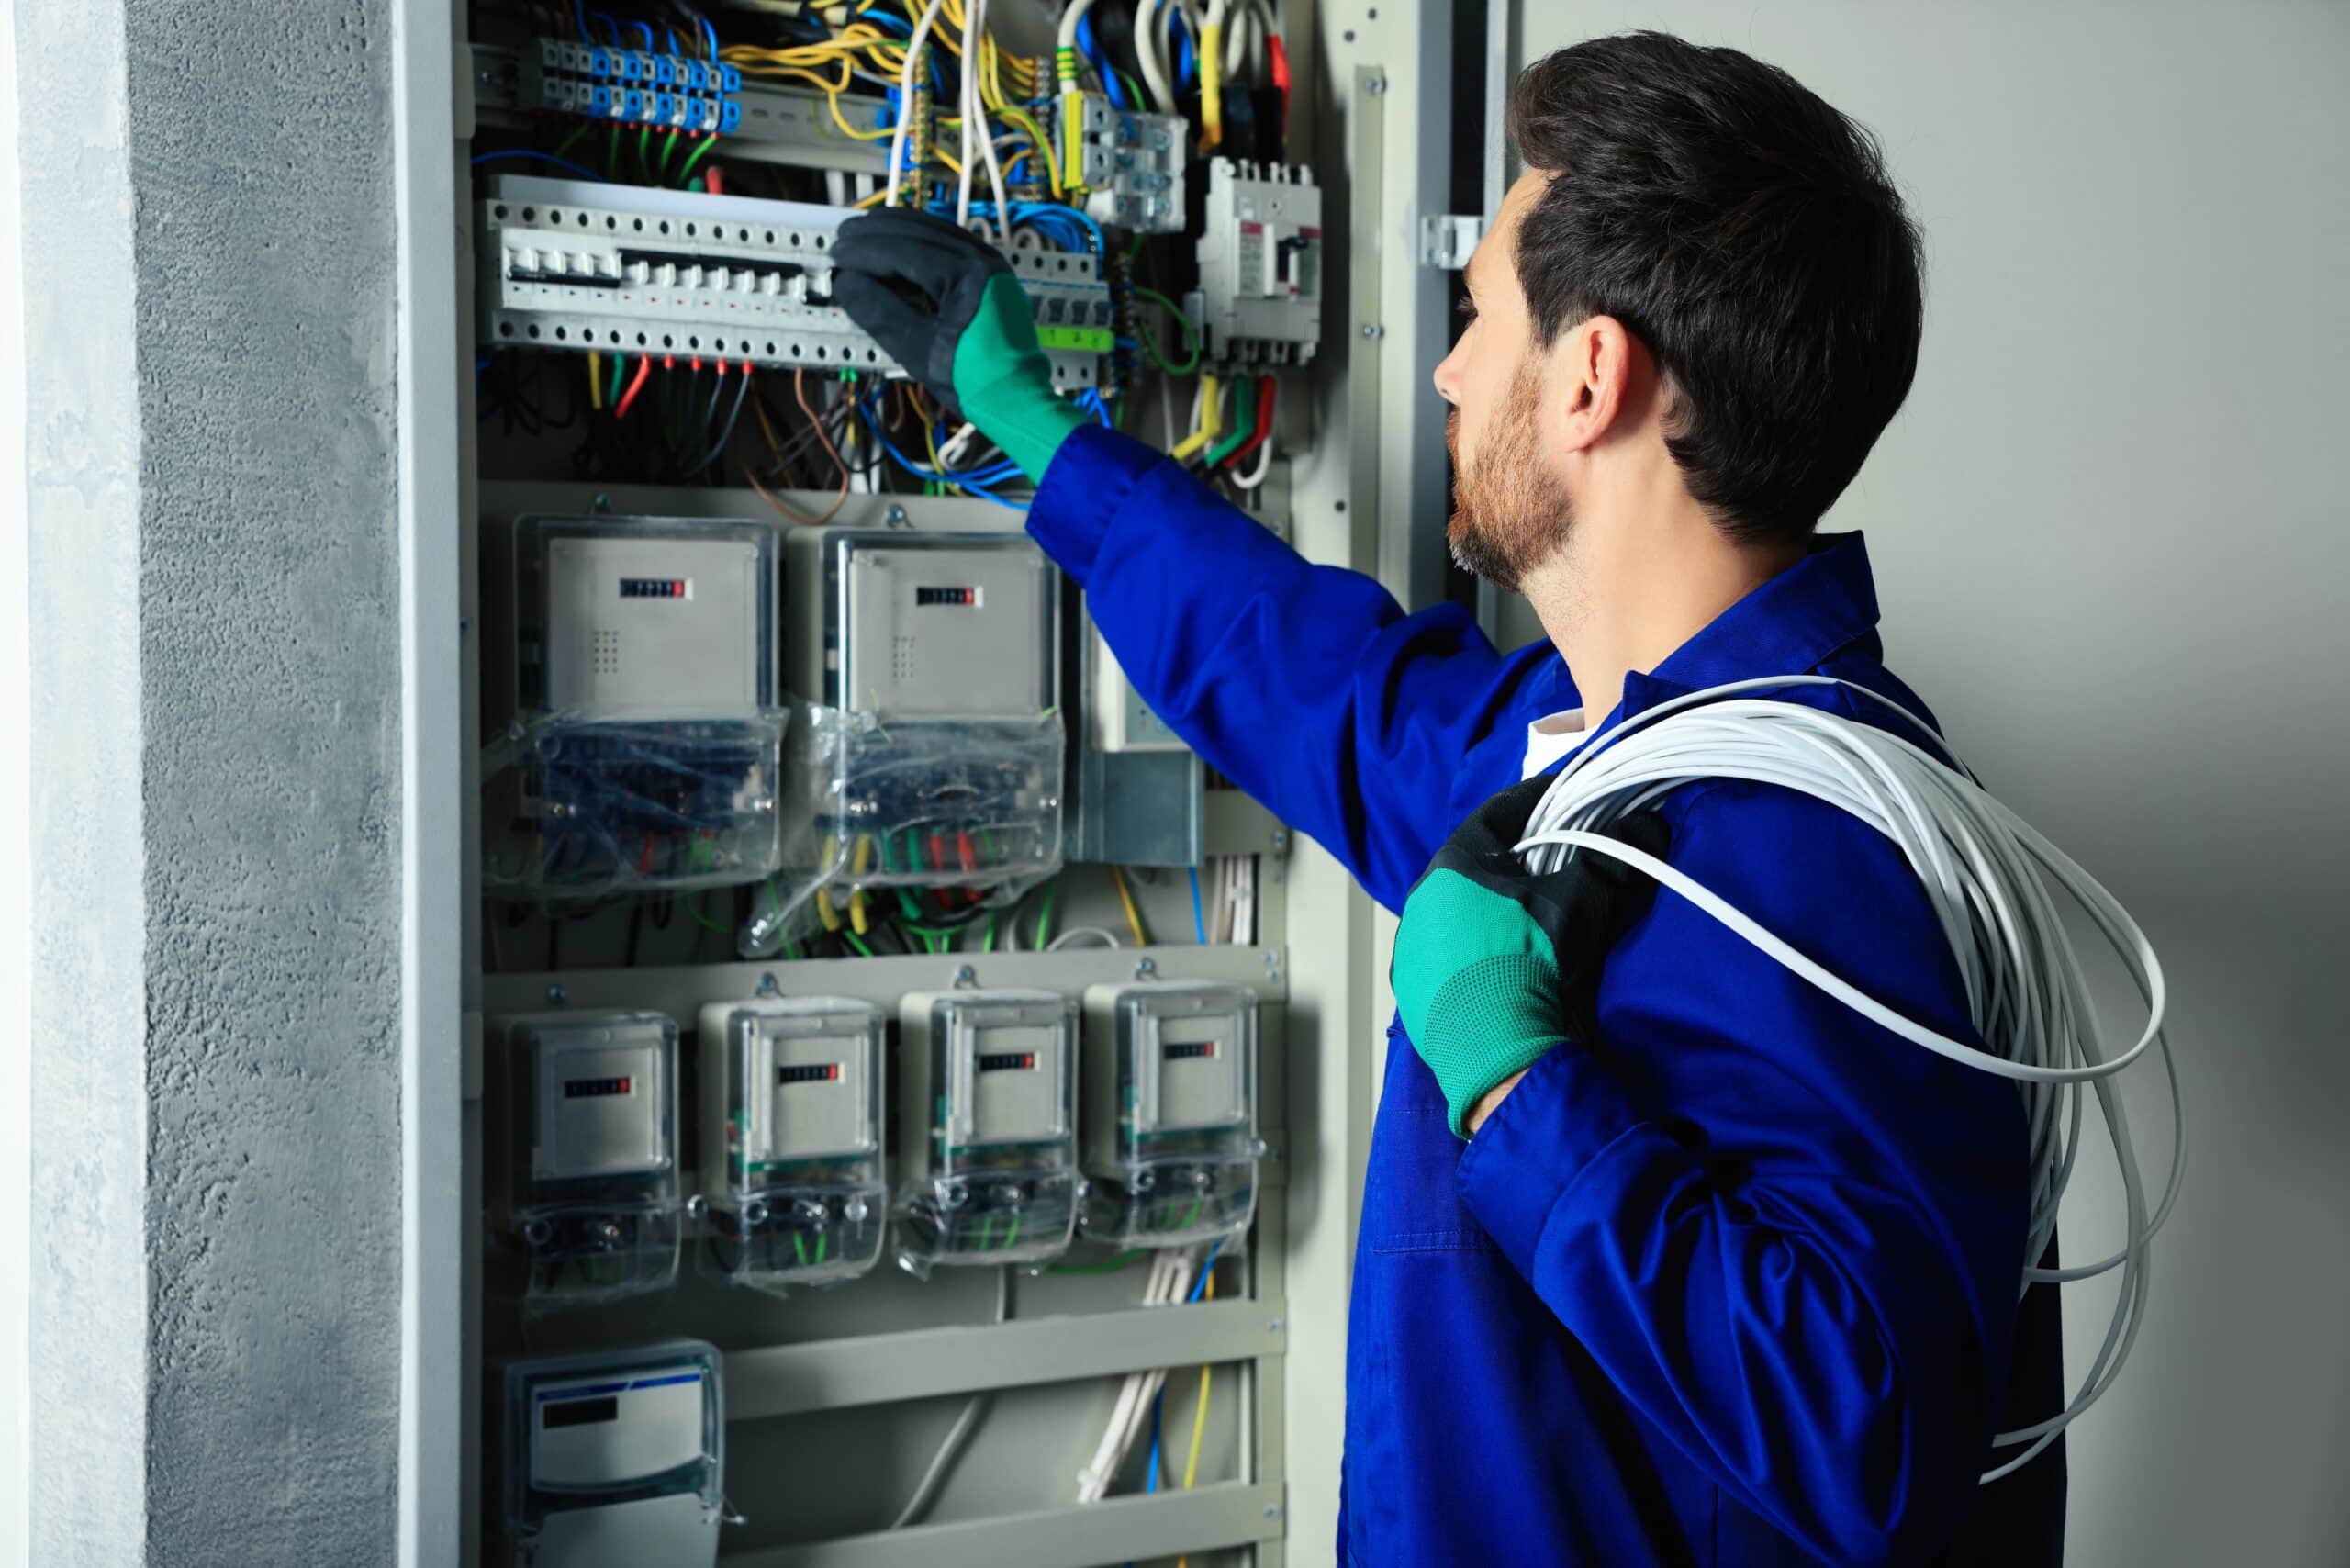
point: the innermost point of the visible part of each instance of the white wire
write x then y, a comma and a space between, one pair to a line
957, 1434
979, 111
1070, 19
906, 99
1108, 939
966, 110
1986, 874
1264, 466
1154, 74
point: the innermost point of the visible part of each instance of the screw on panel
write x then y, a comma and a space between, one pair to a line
768, 986
895, 517
557, 996
1281, 834
1272, 966
1375, 86
1147, 969
1275, 1326
601, 506
1373, 329
966, 976
1273, 1511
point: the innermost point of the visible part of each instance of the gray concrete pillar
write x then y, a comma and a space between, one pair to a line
213, 1221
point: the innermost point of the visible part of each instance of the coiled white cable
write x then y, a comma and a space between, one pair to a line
1986, 874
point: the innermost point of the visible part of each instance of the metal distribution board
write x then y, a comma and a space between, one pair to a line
627, 269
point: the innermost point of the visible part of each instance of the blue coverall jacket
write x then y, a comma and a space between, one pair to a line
1735, 1283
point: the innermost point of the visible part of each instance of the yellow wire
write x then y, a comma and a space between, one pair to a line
1043, 149
824, 911
1199, 1419
1134, 916
595, 381
1211, 420
857, 917
1211, 86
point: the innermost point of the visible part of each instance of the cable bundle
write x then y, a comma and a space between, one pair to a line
1987, 873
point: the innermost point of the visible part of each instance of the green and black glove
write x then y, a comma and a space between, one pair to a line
1494, 965
943, 302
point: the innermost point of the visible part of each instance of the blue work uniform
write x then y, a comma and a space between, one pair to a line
1736, 1281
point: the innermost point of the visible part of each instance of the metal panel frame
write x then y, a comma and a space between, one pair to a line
1117, 1529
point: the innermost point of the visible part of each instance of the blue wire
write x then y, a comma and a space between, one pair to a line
713, 36
579, 19
975, 485
617, 41
650, 43
1086, 46
1199, 912
671, 34
1158, 1407
542, 157
1187, 63
1200, 1285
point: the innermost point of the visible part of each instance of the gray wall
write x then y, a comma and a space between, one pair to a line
207, 335
2110, 531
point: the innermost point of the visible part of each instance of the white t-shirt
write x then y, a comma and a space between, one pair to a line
1550, 738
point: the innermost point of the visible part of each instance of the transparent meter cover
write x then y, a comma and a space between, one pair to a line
969, 809
613, 1427
1171, 1147
991, 1173
793, 1090
592, 1197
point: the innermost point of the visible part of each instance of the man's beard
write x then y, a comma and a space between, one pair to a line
1509, 511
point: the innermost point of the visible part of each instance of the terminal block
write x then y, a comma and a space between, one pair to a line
615, 1459
645, 740
587, 1159
1170, 1112
1260, 299
988, 1150
632, 270
793, 1191
630, 87
1131, 165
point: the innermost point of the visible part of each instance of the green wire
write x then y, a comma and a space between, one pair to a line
987, 1232
799, 1247
1190, 1219
854, 940
988, 943
1012, 1240
1045, 915
612, 400
612, 153
823, 1240
570, 141
1244, 423
669, 152
701, 153
1190, 335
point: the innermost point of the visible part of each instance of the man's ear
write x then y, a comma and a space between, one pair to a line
1590, 372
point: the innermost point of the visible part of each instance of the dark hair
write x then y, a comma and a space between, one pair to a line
1750, 236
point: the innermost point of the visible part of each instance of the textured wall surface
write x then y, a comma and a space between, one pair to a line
209, 350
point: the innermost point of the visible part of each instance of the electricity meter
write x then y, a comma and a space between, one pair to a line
1170, 1112
645, 750
791, 1097
989, 1174
589, 1169
613, 1458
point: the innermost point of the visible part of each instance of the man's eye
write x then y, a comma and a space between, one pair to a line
1468, 309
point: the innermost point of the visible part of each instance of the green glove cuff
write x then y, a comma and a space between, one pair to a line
1005, 383
1498, 1017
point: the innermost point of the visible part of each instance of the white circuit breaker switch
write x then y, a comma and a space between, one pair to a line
792, 1093
989, 1175
1170, 1112
586, 1153
615, 1459
1260, 299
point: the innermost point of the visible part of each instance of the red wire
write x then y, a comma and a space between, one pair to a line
1281, 80
1267, 389
635, 385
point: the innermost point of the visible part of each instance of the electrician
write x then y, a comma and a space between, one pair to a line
1681, 1261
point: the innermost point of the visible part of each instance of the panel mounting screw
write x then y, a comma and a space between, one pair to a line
1272, 1510
1272, 966
1274, 1327
1375, 86
966, 976
557, 996
767, 986
1373, 329
1280, 840
1146, 967
895, 517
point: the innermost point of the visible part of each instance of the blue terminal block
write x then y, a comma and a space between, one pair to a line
667, 91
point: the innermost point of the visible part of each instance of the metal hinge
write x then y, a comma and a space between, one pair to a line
1447, 238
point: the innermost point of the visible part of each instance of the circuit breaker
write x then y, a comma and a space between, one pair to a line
1170, 1112
987, 1156
643, 748
615, 1459
1260, 299
588, 1204
792, 1090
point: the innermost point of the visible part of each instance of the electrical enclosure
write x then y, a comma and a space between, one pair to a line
989, 1175
793, 1187
1170, 1112
645, 744
614, 1459
589, 1202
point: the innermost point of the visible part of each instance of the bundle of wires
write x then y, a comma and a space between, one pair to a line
1985, 872
1177, 1276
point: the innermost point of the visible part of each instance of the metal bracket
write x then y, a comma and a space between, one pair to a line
1447, 237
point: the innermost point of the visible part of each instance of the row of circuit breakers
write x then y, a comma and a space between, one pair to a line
795, 1162
577, 265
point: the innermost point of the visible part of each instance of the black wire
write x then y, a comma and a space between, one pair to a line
718, 449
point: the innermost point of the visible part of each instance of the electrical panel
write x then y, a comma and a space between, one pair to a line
644, 749
1170, 1112
793, 1189
614, 1459
588, 1203
1129, 165
629, 86
1260, 299
989, 1174
681, 275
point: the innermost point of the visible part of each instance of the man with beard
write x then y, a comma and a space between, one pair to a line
1679, 1260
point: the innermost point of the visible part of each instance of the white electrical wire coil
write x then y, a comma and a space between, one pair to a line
1985, 872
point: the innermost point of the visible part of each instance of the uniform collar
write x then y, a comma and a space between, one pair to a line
1790, 625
